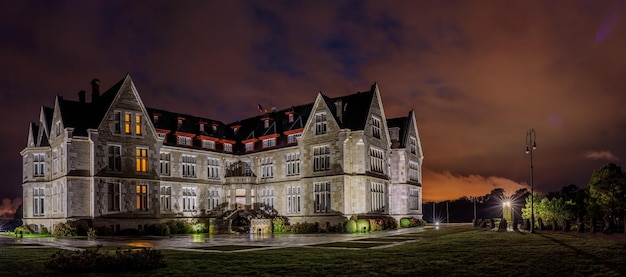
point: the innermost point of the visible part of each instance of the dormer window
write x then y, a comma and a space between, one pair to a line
249, 146
180, 122
208, 144
201, 127
214, 127
291, 117
293, 138
270, 142
235, 129
228, 147
155, 118
183, 140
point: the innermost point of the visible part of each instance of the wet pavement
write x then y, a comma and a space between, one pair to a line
198, 242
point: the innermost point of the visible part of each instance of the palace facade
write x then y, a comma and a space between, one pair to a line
119, 164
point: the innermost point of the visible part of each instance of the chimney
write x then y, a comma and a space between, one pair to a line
81, 96
95, 90
339, 109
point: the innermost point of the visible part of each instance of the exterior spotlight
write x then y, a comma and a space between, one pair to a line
527, 150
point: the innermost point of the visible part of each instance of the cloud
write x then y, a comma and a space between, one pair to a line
601, 155
8, 207
440, 186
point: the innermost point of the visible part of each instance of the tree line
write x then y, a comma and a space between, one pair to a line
601, 206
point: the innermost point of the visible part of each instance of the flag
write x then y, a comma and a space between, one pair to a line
260, 108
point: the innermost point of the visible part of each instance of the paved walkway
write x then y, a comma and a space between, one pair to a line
197, 241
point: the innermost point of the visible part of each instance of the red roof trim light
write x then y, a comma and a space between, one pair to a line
294, 131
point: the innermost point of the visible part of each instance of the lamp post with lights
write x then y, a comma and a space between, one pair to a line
531, 145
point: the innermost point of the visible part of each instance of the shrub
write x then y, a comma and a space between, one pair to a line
280, 224
305, 228
91, 233
24, 229
180, 227
363, 225
64, 230
383, 223
98, 261
405, 222
351, 226
161, 229
44, 231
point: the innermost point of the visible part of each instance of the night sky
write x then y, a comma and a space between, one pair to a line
479, 74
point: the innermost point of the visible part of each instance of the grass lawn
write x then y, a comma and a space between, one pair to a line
447, 252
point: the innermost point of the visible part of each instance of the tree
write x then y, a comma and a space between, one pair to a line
607, 189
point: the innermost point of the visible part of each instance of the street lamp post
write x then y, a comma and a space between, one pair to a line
531, 145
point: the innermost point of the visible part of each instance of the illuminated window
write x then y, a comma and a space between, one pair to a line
413, 171
249, 146
293, 200
267, 197
293, 138
413, 145
377, 160
166, 198
267, 167
38, 201
321, 158
414, 199
270, 142
201, 127
377, 197
142, 197
127, 123
117, 122
293, 164
141, 159
155, 118
189, 166
228, 147
164, 164
213, 168
266, 123
376, 127
115, 158
214, 127
39, 164
213, 199
113, 195
322, 197
320, 123
183, 140
290, 117
189, 199
138, 124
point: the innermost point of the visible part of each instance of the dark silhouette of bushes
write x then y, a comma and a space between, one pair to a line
103, 261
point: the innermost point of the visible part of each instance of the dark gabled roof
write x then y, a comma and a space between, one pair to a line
403, 124
189, 124
278, 124
48, 113
34, 132
355, 107
82, 115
